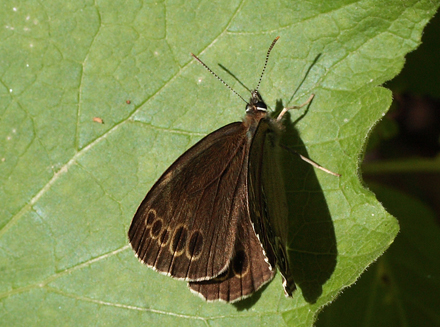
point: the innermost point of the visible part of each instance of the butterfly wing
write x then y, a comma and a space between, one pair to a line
185, 226
267, 199
248, 270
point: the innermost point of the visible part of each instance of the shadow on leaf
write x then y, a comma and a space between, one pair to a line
312, 240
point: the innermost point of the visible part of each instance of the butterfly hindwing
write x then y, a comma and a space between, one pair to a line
267, 199
185, 226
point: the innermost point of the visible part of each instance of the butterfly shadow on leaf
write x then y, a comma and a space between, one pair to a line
312, 247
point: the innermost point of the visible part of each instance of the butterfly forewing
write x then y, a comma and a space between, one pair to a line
185, 226
267, 199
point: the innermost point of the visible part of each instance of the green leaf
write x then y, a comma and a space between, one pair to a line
402, 287
70, 186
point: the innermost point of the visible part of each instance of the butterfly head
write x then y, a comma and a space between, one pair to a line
256, 103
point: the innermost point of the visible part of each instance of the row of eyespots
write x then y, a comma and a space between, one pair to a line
178, 243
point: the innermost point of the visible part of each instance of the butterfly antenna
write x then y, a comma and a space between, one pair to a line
224, 83
267, 59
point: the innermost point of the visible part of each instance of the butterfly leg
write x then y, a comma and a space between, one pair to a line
283, 112
309, 161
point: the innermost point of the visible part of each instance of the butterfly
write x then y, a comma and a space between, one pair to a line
217, 217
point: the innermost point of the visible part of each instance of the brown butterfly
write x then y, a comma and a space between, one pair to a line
217, 217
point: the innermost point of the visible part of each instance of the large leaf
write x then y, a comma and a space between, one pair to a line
70, 186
